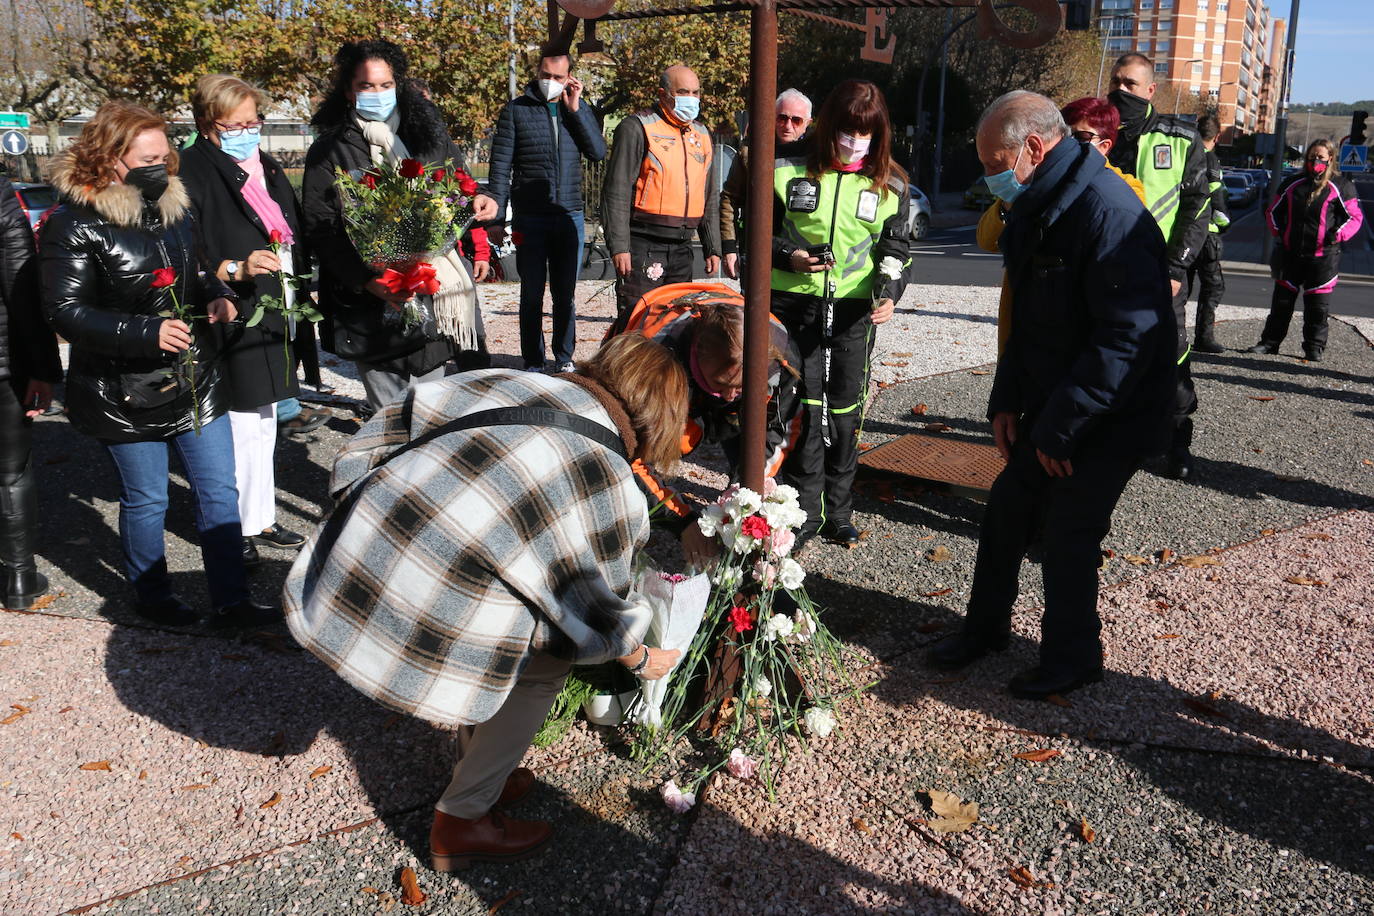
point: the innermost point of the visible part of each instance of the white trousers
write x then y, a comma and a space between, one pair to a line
255, 442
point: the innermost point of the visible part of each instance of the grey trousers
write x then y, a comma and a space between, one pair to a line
384, 386
487, 753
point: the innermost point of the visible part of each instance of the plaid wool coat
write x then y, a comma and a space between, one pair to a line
440, 573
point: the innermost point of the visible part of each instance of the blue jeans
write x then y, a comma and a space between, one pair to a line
288, 409
550, 249
209, 463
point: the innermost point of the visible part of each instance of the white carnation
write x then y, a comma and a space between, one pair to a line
712, 517
890, 267
819, 722
779, 627
785, 494
791, 574
804, 626
762, 686
744, 503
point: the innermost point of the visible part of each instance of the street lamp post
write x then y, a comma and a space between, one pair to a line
1106, 37
1281, 122
1178, 100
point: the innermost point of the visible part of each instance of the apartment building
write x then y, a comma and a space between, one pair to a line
1231, 50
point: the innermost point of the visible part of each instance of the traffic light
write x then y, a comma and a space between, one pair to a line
1077, 14
1357, 127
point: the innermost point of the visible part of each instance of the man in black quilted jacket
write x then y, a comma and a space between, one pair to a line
536, 166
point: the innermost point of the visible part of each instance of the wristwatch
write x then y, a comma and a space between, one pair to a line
232, 269
643, 663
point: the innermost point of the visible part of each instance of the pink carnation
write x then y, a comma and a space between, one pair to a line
781, 541
741, 765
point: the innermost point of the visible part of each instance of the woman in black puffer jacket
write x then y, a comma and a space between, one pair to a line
28, 368
117, 258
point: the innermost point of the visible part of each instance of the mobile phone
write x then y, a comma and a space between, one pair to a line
823, 252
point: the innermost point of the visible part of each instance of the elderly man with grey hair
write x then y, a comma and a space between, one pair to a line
793, 117
1082, 393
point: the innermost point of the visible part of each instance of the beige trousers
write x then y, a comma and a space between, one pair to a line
488, 752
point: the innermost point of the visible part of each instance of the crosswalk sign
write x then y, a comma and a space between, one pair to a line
1353, 158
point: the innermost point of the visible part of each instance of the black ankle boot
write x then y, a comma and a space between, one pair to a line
23, 583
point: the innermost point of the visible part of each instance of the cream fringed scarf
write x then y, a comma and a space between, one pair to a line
455, 304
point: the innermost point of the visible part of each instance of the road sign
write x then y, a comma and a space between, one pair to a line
14, 120
14, 143
1353, 158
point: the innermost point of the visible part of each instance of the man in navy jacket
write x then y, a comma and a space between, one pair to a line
536, 165
1082, 393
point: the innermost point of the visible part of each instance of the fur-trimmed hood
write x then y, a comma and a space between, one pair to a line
121, 204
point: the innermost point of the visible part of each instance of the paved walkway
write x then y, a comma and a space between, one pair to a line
1224, 765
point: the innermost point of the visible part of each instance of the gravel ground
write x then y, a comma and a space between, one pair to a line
1199, 761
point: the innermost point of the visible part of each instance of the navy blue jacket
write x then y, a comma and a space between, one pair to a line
1090, 366
536, 169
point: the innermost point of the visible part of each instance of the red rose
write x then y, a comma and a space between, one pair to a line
517, 238
756, 527
164, 276
412, 168
438, 175
741, 619
275, 237
368, 180
468, 185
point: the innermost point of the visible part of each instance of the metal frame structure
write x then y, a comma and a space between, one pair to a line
763, 89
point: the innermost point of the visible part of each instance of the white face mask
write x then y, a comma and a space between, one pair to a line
851, 149
551, 89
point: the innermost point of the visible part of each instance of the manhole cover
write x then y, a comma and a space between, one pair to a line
967, 465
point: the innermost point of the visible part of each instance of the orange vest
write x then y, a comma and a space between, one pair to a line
672, 183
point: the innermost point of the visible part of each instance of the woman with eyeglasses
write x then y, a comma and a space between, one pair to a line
250, 229
1314, 213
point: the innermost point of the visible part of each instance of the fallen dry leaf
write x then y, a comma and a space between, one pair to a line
510, 895
65, 709
937, 593
896, 363
865, 446
938, 554
1289, 478
1038, 756
194, 787
1260, 397
1022, 876
1266, 532
142, 774
1136, 559
16, 836
954, 814
43, 602
1199, 561
1318, 536
319, 771
19, 713
979, 372
930, 626
1368, 461
275, 799
861, 825
900, 355
919, 410
1086, 831
1165, 555
938, 427
1206, 709
1306, 580
1057, 700
96, 765
1167, 636
411, 895
8, 642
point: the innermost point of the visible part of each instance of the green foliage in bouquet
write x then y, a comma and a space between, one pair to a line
400, 213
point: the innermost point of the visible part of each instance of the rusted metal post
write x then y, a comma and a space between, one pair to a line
763, 90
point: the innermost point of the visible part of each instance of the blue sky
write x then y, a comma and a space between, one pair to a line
1332, 56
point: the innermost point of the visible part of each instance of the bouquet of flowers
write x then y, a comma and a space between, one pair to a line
403, 216
763, 666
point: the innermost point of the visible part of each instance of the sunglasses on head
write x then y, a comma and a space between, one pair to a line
794, 120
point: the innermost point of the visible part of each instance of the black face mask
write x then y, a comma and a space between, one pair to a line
151, 180
1132, 108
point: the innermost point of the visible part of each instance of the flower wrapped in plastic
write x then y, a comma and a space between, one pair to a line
404, 219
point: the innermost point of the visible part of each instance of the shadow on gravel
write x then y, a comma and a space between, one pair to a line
1270, 385
1276, 364
1246, 482
1319, 810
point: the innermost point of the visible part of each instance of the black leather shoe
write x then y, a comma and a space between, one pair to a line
247, 613
1035, 684
1180, 466
277, 536
1312, 354
307, 421
847, 535
250, 554
963, 649
1208, 345
171, 613
1264, 346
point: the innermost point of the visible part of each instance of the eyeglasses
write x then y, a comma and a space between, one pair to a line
1085, 136
1317, 159
237, 130
794, 120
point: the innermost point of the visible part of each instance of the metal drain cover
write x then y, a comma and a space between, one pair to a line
963, 465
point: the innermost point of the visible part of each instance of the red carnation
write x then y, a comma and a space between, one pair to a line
468, 185
756, 527
164, 276
412, 168
369, 180
438, 175
741, 619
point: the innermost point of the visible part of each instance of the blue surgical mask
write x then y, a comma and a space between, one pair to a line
376, 106
241, 147
1004, 184
686, 107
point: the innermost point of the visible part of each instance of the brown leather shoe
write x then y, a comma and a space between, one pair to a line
456, 843
518, 785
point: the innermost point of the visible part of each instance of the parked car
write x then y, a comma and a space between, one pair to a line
1240, 192
36, 199
918, 219
978, 197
